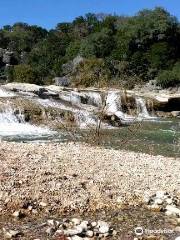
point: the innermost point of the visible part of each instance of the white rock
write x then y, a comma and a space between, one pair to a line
17, 214
43, 204
169, 201
73, 232
84, 225
178, 238
76, 221
158, 201
173, 209
103, 227
177, 229
10, 233
160, 194
50, 230
51, 222
89, 233
94, 224
169, 213
77, 238
59, 232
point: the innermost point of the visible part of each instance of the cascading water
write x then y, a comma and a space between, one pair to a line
94, 98
114, 107
142, 109
82, 117
4, 93
12, 123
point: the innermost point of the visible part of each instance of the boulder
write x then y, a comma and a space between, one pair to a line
62, 81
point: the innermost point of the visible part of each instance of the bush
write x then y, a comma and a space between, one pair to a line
91, 72
168, 78
24, 73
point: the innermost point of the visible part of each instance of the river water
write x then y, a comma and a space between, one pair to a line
149, 134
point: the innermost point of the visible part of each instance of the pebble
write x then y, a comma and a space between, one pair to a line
94, 224
10, 233
43, 204
76, 221
51, 222
89, 233
169, 201
178, 238
72, 232
173, 209
50, 230
77, 238
177, 229
103, 227
17, 214
158, 201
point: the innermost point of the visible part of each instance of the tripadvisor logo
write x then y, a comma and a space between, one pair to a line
138, 231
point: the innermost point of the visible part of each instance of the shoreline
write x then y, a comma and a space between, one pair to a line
37, 169
63, 180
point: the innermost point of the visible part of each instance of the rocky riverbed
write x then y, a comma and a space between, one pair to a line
42, 183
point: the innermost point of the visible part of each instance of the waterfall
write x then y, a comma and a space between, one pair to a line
84, 119
113, 104
141, 108
94, 98
12, 123
4, 93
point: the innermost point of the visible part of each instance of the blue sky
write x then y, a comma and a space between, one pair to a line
47, 13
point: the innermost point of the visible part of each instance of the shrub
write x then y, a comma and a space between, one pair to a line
168, 78
25, 73
91, 72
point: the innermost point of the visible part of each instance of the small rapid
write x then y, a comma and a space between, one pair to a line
12, 123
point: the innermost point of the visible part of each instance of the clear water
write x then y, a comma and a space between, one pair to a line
155, 137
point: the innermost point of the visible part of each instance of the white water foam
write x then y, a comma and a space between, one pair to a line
12, 124
4, 93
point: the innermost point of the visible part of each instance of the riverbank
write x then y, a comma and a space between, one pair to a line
64, 171
71, 178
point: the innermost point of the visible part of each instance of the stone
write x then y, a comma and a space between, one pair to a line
11, 233
158, 201
89, 233
173, 209
43, 204
177, 229
50, 231
103, 227
94, 224
169, 201
76, 221
175, 113
84, 225
17, 214
77, 238
75, 231
62, 81
155, 207
51, 222
169, 213
160, 194
59, 232
178, 238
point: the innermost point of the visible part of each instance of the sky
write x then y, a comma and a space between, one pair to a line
47, 13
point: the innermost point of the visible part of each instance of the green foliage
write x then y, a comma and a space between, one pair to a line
91, 72
25, 74
128, 50
168, 78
